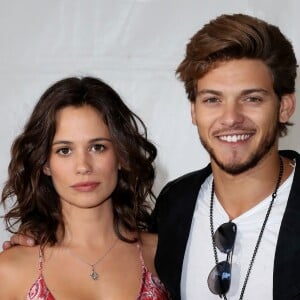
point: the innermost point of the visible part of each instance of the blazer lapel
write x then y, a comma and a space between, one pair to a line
177, 204
286, 276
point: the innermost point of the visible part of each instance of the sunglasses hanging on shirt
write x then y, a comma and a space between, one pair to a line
220, 276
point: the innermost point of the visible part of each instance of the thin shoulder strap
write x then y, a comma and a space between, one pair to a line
138, 245
41, 261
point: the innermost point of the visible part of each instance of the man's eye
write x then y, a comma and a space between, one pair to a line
253, 99
211, 100
64, 151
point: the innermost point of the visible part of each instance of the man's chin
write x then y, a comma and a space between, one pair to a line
236, 167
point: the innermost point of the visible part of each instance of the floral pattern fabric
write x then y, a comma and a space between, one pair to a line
151, 287
39, 291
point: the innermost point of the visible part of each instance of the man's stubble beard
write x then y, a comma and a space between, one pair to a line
262, 150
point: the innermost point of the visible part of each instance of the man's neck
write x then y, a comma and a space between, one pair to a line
239, 193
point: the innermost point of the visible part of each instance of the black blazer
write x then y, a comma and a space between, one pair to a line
173, 215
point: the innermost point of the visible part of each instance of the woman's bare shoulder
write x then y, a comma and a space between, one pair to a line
18, 254
149, 239
17, 266
18, 259
149, 245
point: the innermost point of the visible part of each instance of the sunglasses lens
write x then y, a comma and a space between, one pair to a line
219, 278
225, 237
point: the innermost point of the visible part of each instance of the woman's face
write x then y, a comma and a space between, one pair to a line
82, 163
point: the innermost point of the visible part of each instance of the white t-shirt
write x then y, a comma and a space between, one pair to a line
199, 258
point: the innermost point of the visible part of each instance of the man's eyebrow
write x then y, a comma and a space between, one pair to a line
209, 91
243, 92
254, 90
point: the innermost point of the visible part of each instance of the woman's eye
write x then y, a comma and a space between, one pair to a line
64, 151
98, 148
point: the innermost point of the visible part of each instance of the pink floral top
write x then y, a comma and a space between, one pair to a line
151, 287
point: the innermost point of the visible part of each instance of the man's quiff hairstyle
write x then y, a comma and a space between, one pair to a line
234, 37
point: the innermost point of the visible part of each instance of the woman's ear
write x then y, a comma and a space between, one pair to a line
46, 170
287, 107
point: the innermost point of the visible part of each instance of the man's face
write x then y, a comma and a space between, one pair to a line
237, 113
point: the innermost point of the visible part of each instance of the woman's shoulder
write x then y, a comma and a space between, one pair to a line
18, 254
149, 244
17, 265
18, 259
148, 239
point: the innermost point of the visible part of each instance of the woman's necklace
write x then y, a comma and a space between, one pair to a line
94, 275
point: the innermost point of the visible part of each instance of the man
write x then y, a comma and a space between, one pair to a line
239, 73
233, 228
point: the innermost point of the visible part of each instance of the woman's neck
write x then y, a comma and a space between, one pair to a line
88, 226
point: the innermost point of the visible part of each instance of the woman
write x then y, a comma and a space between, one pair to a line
81, 174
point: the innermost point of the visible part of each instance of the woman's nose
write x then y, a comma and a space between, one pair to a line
83, 164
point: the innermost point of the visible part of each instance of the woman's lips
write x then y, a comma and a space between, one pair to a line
85, 186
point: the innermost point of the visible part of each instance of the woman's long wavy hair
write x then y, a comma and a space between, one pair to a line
37, 207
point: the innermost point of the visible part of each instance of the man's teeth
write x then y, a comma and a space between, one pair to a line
234, 138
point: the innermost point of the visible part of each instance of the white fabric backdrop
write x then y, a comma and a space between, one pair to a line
134, 45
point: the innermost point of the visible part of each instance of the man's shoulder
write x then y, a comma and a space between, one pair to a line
177, 199
291, 154
190, 181
295, 157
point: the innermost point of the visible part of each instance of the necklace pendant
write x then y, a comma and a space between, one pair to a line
94, 275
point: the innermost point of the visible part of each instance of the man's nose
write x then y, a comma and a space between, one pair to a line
232, 114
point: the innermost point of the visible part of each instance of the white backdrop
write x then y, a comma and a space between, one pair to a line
134, 45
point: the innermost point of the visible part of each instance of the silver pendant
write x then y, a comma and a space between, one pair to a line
94, 275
